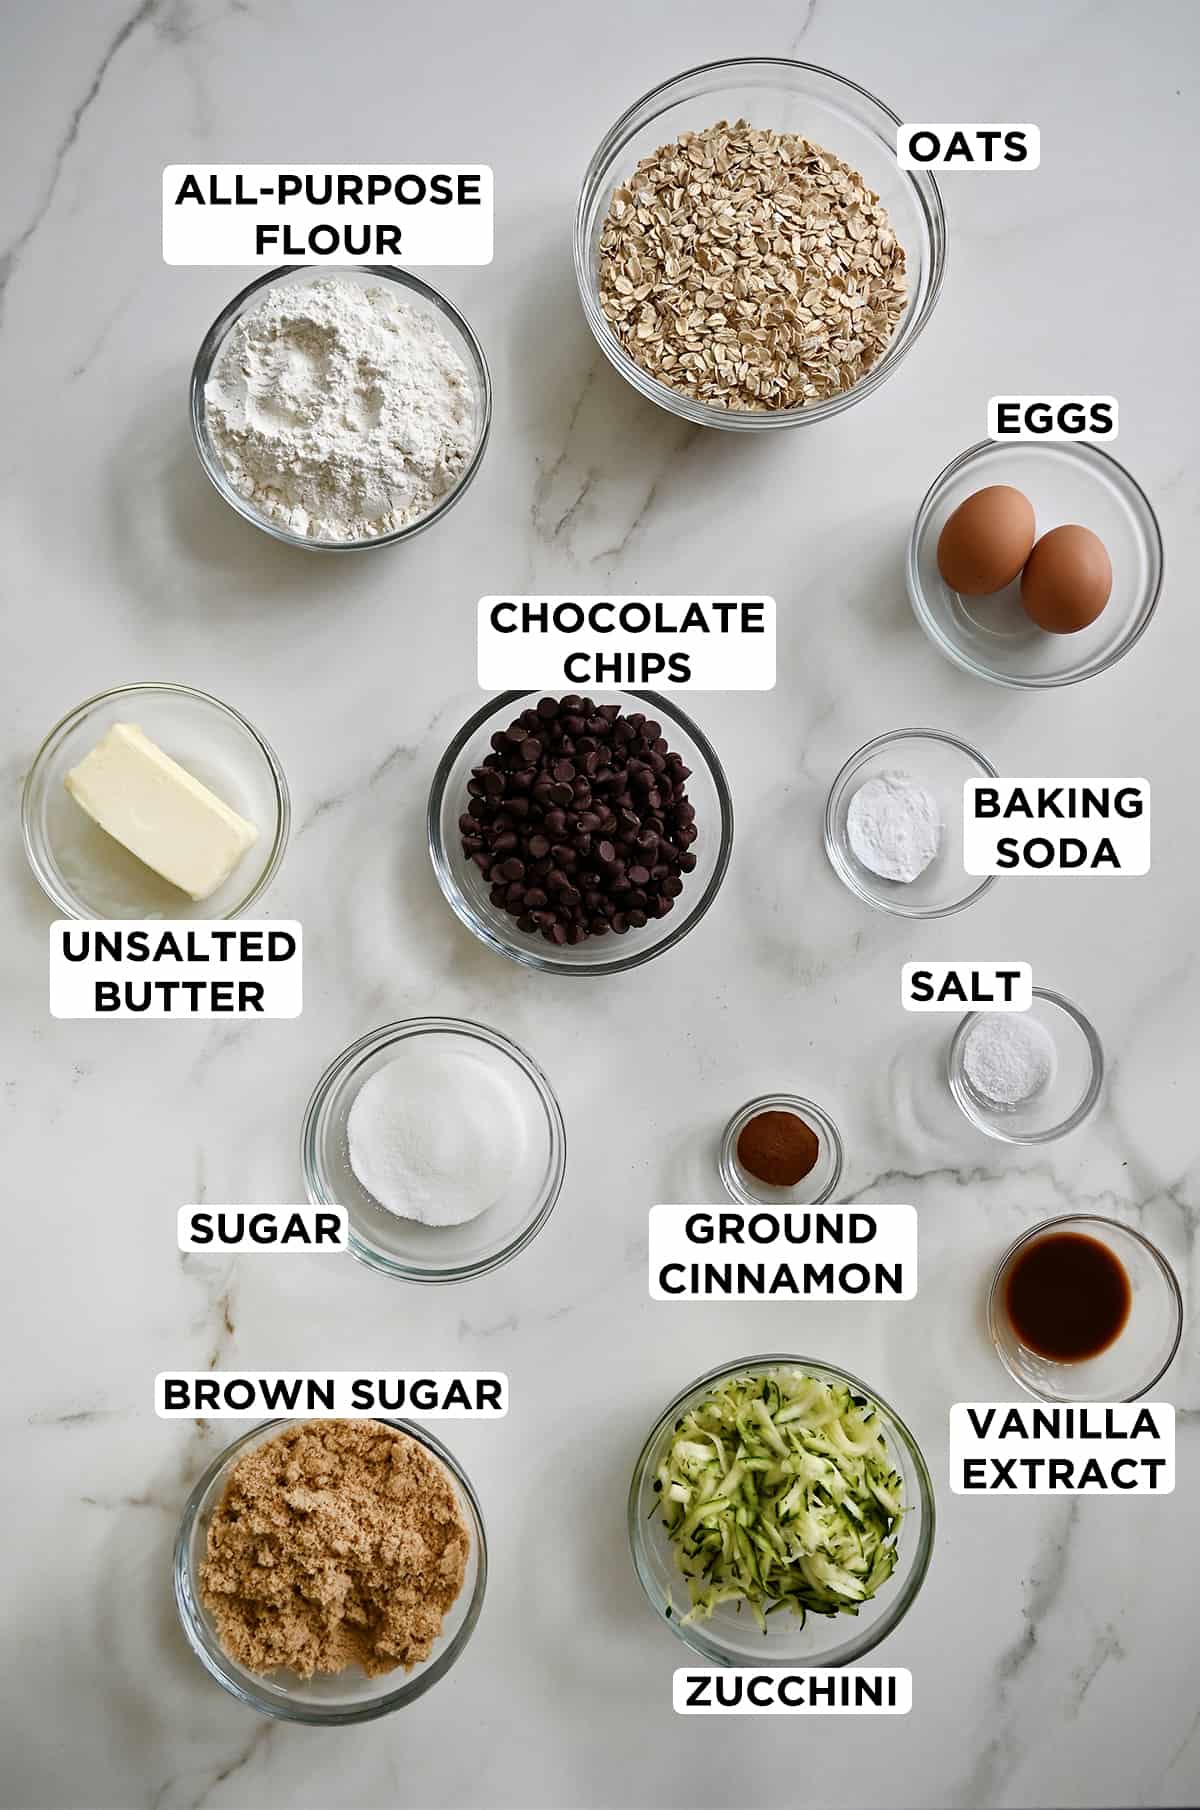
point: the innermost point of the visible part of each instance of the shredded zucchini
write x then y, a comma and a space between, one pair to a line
778, 1491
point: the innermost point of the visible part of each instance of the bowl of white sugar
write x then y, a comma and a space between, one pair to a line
444, 1142
341, 409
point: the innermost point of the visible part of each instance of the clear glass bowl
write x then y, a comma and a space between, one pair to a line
940, 762
369, 276
993, 637
1142, 1351
85, 872
403, 1247
467, 890
730, 1638
780, 94
1069, 1095
812, 1189
351, 1696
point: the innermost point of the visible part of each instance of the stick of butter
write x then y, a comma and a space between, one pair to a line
159, 812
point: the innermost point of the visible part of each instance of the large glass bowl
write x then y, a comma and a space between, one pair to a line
410, 290
730, 1638
781, 94
331, 1700
467, 890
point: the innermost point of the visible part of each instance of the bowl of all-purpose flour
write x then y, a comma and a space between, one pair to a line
894, 823
340, 409
444, 1142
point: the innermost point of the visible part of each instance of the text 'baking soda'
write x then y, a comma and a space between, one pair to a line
1065, 827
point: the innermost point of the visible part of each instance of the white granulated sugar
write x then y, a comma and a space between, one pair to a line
436, 1137
1008, 1058
894, 826
340, 411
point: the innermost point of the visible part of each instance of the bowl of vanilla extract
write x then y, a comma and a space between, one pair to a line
1085, 1309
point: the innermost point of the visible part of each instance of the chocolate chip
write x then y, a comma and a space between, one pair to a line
579, 820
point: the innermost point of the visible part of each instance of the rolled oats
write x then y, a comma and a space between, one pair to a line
750, 270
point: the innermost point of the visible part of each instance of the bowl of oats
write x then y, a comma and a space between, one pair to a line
748, 253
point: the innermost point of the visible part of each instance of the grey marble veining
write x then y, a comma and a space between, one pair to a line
1054, 1645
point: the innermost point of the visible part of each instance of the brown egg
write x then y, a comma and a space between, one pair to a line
986, 541
1067, 580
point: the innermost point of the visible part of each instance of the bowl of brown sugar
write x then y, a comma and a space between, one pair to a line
330, 1571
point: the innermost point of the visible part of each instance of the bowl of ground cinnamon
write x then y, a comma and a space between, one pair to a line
778, 1149
329, 1571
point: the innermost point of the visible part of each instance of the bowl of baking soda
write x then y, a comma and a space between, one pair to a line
443, 1141
894, 823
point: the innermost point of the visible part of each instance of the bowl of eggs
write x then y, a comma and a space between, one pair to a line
1035, 564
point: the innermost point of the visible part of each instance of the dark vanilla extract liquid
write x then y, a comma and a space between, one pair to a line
1067, 1297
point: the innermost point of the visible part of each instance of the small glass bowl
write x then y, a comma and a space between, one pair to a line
780, 94
403, 1247
943, 764
1141, 1352
730, 1638
85, 872
1068, 1096
324, 1701
993, 637
369, 276
467, 890
812, 1189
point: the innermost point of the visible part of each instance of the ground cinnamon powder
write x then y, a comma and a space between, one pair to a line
337, 1543
778, 1148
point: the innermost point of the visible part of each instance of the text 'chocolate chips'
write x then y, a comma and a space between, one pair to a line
580, 820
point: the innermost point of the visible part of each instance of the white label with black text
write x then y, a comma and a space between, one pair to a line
743, 1690
672, 643
1052, 418
949, 986
1087, 1449
1066, 827
207, 1230
176, 968
844, 1253
948, 145
327, 213
330, 1395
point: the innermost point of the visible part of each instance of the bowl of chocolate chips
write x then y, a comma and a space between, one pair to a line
582, 834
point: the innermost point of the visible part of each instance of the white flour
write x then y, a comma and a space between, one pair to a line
340, 411
894, 826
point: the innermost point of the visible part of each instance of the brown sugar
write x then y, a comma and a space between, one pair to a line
778, 1148
337, 1543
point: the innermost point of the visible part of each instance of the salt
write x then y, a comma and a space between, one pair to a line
1008, 1057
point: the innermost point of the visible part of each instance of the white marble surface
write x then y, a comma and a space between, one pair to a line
1054, 1648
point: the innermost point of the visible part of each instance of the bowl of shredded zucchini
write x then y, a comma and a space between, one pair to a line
781, 1513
